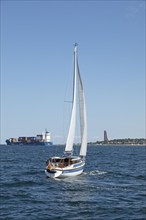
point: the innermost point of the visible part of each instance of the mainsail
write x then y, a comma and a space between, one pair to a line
83, 120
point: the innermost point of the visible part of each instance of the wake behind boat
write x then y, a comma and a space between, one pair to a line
69, 165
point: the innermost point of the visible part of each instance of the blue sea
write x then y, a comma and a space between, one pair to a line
113, 185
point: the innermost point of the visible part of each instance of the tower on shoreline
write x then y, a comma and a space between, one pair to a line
105, 137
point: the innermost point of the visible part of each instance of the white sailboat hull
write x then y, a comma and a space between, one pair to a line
69, 171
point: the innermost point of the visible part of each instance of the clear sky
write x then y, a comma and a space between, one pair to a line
37, 39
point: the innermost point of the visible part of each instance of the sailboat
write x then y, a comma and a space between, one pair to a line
70, 165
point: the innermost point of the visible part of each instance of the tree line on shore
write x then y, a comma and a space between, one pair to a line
126, 141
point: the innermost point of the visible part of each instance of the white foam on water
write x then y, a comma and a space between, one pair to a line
95, 172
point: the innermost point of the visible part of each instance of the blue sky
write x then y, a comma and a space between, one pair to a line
37, 40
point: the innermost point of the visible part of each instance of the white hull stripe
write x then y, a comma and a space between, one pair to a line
73, 170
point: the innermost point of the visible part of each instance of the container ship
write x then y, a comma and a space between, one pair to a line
39, 139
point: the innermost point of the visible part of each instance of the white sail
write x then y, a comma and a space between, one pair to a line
71, 133
83, 120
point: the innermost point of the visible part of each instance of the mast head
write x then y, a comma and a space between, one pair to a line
75, 47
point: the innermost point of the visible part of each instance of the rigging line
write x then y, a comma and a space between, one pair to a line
68, 101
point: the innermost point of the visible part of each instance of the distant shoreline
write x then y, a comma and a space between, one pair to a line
120, 145
123, 142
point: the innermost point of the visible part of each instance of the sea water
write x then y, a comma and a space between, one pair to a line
112, 186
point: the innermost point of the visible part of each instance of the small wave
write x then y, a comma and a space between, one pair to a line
95, 172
